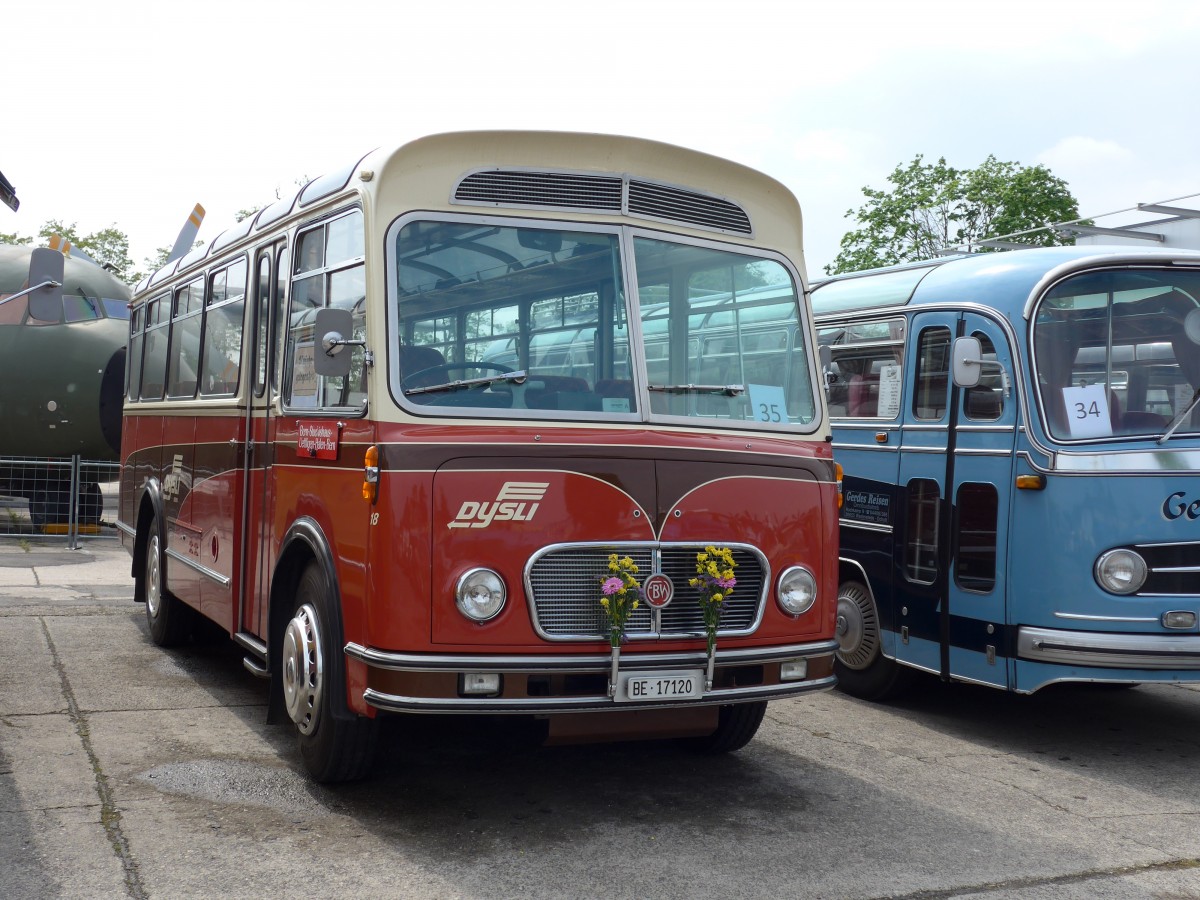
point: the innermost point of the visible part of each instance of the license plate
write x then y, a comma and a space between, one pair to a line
661, 686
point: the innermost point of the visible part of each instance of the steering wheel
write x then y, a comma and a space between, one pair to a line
425, 377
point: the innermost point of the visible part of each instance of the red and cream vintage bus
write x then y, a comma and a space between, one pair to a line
399, 433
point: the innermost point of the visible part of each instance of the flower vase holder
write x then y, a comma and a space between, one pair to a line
712, 663
612, 677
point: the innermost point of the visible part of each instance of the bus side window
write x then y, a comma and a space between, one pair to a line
985, 401
933, 370
920, 535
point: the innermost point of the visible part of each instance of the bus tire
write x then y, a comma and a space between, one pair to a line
334, 747
861, 668
736, 726
169, 618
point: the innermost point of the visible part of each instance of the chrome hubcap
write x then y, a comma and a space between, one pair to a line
153, 585
857, 627
302, 669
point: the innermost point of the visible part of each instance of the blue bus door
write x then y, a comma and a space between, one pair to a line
981, 476
954, 477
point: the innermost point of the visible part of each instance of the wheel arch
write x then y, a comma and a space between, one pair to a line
305, 542
150, 506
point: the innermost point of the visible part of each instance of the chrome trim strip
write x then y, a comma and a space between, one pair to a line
128, 530
986, 429
592, 662
1002, 454
594, 702
875, 448
908, 449
1080, 617
942, 427
1110, 651
223, 580
1167, 460
865, 526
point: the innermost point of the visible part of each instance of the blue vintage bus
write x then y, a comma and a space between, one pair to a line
1021, 445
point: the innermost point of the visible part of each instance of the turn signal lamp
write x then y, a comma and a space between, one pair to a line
837, 469
371, 474
1031, 482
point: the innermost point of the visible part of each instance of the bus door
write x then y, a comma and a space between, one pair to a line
922, 518
268, 280
980, 474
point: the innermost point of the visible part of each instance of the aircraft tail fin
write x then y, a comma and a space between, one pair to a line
187, 234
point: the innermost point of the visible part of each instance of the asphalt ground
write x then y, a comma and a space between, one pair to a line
129, 771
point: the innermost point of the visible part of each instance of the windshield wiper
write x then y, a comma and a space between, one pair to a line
731, 390
517, 377
1179, 418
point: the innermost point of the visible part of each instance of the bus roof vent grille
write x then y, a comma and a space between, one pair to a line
601, 193
661, 201
547, 190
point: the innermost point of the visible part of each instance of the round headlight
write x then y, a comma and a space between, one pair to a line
480, 595
1121, 571
796, 591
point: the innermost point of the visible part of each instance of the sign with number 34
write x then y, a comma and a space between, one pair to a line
1087, 411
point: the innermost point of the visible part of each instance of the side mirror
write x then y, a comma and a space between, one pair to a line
825, 357
333, 329
967, 355
45, 284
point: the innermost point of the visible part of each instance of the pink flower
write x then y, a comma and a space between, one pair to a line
611, 586
727, 583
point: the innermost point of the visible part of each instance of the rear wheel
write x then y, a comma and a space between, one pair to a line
736, 726
336, 745
862, 669
169, 618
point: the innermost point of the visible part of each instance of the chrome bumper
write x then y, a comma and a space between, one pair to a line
592, 664
1109, 651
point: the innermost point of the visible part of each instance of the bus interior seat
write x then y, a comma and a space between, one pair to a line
415, 359
616, 389
1132, 422
556, 392
863, 396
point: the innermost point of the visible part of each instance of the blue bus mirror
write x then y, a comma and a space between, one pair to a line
968, 361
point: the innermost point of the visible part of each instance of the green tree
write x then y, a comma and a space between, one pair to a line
14, 238
933, 207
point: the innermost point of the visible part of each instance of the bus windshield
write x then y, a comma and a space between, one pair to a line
536, 322
1116, 353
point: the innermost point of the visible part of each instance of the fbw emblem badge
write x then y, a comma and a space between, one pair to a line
658, 590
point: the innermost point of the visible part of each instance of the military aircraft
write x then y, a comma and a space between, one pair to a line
64, 322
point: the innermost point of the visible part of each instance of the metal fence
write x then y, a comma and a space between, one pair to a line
58, 496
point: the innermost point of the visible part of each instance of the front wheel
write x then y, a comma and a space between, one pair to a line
335, 746
861, 668
736, 726
169, 618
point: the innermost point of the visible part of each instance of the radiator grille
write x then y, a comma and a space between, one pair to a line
1174, 568
564, 586
602, 193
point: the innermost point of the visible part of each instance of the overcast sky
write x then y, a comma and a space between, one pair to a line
129, 112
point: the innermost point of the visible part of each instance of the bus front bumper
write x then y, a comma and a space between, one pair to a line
1110, 651
532, 685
